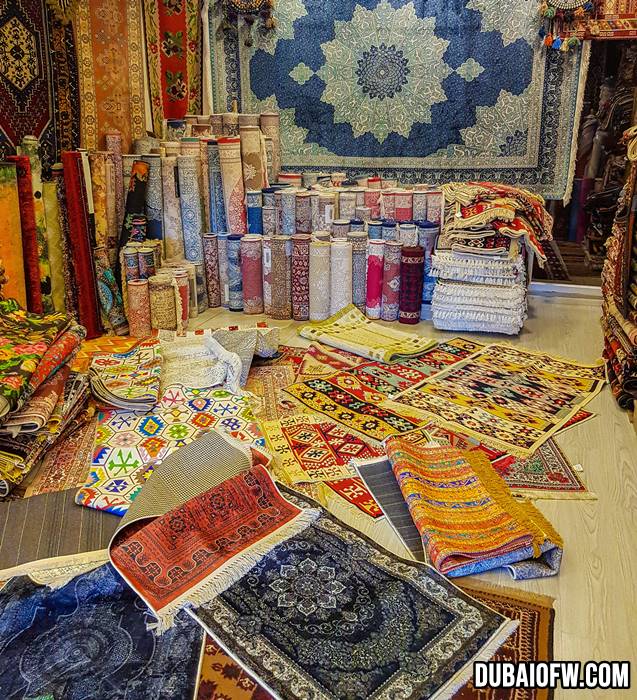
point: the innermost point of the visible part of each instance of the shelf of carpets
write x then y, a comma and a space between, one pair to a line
619, 290
42, 400
483, 258
269, 483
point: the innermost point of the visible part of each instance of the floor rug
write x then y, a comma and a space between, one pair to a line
265, 385
488, 83
510, 398
326, 614
468, 520
127, 445
103, 344
221, 678
321, 361
89, 639
531, 641
50, 526
310, 448
350, 330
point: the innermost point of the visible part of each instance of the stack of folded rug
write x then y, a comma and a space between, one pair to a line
40, 398
480, 257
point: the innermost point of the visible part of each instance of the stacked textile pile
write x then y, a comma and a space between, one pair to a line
490, 234
40, 398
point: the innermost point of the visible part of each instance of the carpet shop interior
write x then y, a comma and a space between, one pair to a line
318, 348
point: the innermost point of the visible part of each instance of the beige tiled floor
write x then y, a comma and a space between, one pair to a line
595, 592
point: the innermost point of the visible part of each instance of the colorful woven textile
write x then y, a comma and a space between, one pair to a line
253, 157
229, 528
412, 263
39, 92
70, 291
321, 361
135, 205
128, 380
467, 517
507, 397
30, 251
139, 308
319, 280
281, 278
12, 254
103, 344
375, 257
44, 628
232, 179
108, 293
190, 203
55, 243
127, 446
235, 282
25, 339
251, 274
301, 277
111, 70
173, 43
358, 239
265, 384
350, 330
310, 448
80, 240
173, 231
211, 264
391, 282
312, 579
220, 677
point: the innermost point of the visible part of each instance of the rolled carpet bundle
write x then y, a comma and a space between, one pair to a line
319, 279
391, 281
301, 277
211, 264
139, 308
251, 273
358, 239
235, 282
341, 276
412, 260
267, 274
375, 259
164, 302
281, 278
232, 179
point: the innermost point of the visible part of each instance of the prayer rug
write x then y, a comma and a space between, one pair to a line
127, 446
310, 448
90, 639
350, 330
330, 70
25, 339
531, 641
111, 70
105, 344
66, 465
49, 527
467, 517
507, 397
416, 626
265, 383
130, 380
221, 678
39, 92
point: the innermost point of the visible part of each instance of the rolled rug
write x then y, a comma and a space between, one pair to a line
269, 219
211, 264
190, 204
303, 212
319, 279
215, 184
340, 275
404, 205
267, 274
54, 236
232, 180
252, 163
139, 308
427, 234
326, 210
271, 126
389, 230
222, 247
375, 230
408, 234
375, 259
12, 256
146, 263
358, 239
216, 124
391, 281
356, 225
435, 206
388, 205
154, 198
235, 282
202, 289
254, 207
419, 211
347, 205
301, 276
230, 122
252, 273
288, 212
340, 228
281, 278
113, 141
97, 162
173, 231
372, 200
70, 288
183, 287
108, 292
164, 300
135, 206
205, 179
412, 259
131, 263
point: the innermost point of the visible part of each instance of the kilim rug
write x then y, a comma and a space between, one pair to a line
321, 361
531, 641
127, 445
39, 92
352, 331
309, 448
468, 520
510, 398
265, 384
221, 678
101, 345
402, 623
90, 639
332, 69
286, 355
49, 527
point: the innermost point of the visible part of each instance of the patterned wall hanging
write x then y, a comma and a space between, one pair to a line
561, 18
109, 46
173, 39
414, 91
39, 85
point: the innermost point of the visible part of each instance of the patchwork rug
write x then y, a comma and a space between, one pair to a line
90, 639
507, 397
127, 446
352, 331
310, 448
420, 92
468, 520
326, 596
